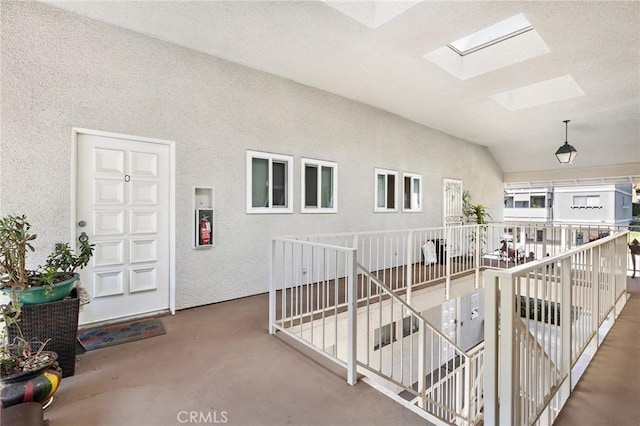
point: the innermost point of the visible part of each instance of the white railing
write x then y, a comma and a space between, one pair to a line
323, 298
346, 297
437, 255
548, 313
416, 360
417, 256
312, 298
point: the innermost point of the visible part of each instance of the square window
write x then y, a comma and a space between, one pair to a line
410, 325
269, 183
319, 187
384, 335
508, 202
412, 192
537, 201
385, 190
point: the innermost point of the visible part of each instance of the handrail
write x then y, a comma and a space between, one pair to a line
408, 307
314, 244
448, 387
386, 231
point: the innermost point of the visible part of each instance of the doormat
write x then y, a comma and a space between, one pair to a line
115, 334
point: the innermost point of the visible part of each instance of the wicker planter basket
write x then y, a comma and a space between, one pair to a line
57, 321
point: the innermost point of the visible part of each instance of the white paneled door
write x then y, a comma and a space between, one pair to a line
123, 196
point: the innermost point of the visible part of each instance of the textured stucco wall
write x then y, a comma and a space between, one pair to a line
60, 70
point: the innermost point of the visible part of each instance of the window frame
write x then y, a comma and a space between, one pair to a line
304, 162
271, 157
582, 202
412, 176
381, 338
386, 173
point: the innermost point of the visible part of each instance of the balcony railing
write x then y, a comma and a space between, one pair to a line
540, 319
349, 297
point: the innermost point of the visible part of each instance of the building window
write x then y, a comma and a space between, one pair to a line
269, 183
383, 336
508, 202
410, 325
412, 184
319, 187
537, 202
385, 190
586, 202
522, 204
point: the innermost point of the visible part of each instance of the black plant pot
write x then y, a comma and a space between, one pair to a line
57, 321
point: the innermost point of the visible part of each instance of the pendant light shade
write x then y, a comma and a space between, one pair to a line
566, 153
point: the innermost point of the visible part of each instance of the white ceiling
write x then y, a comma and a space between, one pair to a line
381, 62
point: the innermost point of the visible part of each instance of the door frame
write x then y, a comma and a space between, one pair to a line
444, 198
75, 131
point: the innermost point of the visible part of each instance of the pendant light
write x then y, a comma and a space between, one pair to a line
566, 153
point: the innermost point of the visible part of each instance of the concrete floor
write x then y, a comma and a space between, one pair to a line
217, 364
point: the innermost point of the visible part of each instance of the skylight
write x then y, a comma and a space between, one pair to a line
496, 33
541, 93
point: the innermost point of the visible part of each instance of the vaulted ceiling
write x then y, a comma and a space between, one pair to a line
581, 63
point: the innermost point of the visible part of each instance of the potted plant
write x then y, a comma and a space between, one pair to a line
48, 283
476, 213
37, 310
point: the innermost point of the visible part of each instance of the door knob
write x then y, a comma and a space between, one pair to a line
83, 238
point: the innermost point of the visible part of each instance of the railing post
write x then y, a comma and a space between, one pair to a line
422, 364
492, 313
468, 387
566, 307
447, 261
409, 275
272, 289
478, 254
595, 309
352, 311
507, 374
612, 280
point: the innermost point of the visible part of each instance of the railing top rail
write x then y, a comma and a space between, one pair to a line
476, 349
315, 244
520, 223
536, 264
409, 308
441, 228
389, 231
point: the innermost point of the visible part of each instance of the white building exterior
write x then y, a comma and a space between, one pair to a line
602, 205
528, 204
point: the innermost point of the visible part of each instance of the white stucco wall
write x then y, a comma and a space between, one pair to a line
60, 71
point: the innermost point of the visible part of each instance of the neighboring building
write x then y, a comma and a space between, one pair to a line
528, 204
603, 205
608, 205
